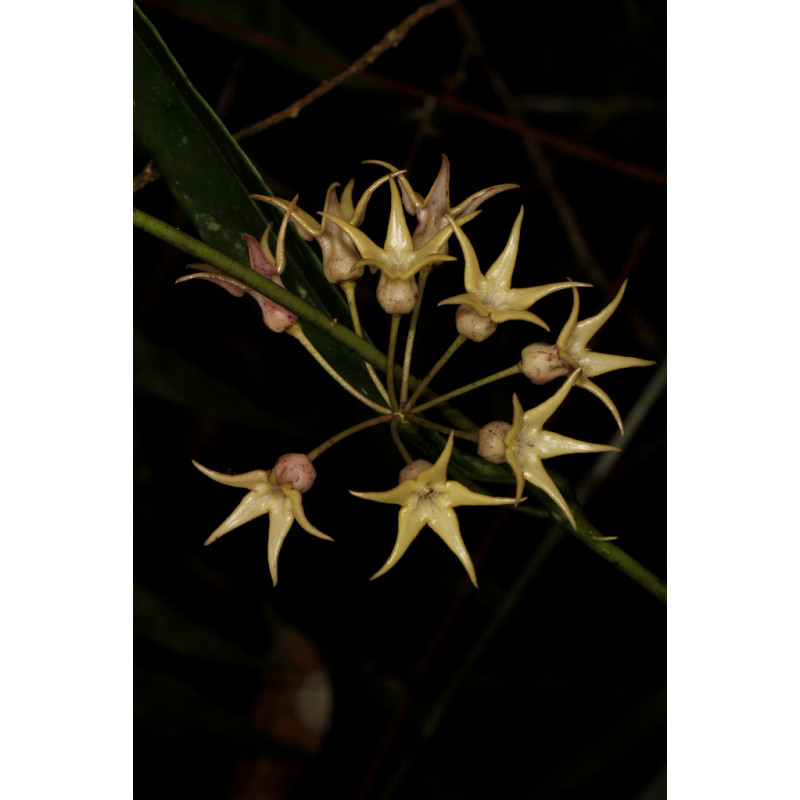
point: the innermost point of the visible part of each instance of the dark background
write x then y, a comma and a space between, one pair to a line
548, 681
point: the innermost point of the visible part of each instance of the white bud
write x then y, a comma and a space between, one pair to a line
295, 468
490, 441
541, 363
471, 324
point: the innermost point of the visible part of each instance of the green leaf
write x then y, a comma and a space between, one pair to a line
211, 179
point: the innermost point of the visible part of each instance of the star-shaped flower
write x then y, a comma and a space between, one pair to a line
428, 498
432, 212
340, 259
271, 492
398, 260
491, 295
262, 261
573, 348
527, 444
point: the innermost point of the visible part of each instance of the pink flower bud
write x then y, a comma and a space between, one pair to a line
397, 295
471, 324
541, 363
410, 471
490, 442
295, 468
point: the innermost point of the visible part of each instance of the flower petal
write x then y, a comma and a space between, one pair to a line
499, 274
444, 522
410, 521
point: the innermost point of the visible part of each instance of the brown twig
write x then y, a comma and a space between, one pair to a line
445, 100
391, 39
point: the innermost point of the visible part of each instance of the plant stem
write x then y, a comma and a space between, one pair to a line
470, 386
460, 339
349, 289
422, 422
398, 442
297, 331
249, 277
361, 426
390, 360
412, 330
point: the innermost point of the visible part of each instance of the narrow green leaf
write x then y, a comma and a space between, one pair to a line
211, 179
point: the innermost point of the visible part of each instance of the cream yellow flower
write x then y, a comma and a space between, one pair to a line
491, 295
432, 212
340, 259
271, 492
527, 444
398, 260
428, 498
573, 349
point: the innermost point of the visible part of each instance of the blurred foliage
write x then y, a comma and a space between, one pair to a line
564, 697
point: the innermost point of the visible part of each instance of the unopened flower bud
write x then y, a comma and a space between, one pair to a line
397, 295
541, 363
471, 324
490, 442
295, 468
410, 471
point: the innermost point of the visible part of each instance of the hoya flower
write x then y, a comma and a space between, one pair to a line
277, 492
526, 445
489, 299
573, 353
262, 261
399, 260
340, 259
431, 213
426, 497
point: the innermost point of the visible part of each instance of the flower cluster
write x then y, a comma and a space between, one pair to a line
425, 494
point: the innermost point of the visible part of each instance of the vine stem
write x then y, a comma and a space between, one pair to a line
460, 339
361, 426
470, 386
412, 330
349, 289
296, 330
